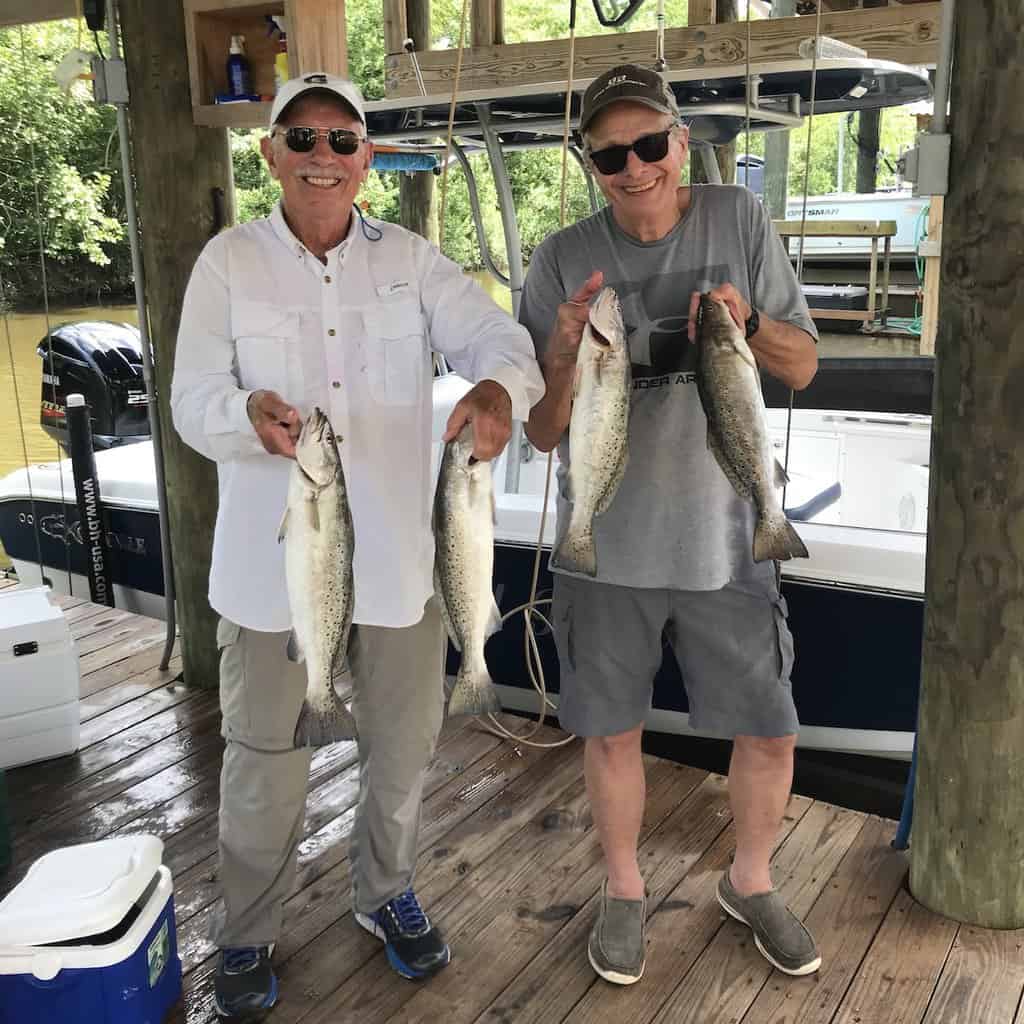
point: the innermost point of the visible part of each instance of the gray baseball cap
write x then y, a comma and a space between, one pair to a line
627, 82
316, 81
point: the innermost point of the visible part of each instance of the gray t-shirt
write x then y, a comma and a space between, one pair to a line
676, 521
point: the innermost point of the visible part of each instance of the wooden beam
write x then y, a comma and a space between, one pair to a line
965, 850
417, 196
178, 167
317, 37
700, 12
27, 12
395, 30
905, 34
482, 23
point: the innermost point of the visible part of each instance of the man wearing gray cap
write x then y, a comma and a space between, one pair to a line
316, 306
674, 548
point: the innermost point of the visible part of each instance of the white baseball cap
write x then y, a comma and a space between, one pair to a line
311, 82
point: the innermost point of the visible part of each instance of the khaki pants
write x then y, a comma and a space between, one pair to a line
398, 703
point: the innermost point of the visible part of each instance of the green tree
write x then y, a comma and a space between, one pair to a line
60, 180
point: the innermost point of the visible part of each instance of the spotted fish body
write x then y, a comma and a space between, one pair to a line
463, 569
598, 431
730, 391
319, 542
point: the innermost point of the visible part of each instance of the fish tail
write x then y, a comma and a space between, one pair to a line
775, 538
473, 692
577, 552
320, 727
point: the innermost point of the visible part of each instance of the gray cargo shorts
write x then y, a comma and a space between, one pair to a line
733, 646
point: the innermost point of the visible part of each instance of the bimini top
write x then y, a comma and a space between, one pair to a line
715, 105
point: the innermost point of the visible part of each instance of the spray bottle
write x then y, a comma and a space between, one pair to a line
239, 82
278, 27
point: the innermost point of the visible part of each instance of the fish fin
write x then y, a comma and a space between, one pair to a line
494, 622
339, 663
322, 727
294, 649
570, 491
313, 511
613, 483
473, 692
775, 538
781, 476
717, 449
494, 509
576, 553
576, 378
283, 529
742, 349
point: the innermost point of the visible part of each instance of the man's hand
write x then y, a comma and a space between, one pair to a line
570, 320
488, 409
739, 308
277, 423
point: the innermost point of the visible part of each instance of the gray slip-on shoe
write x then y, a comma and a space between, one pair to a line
778, 933
616, 946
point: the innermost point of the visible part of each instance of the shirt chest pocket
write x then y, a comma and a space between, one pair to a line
396, 352
268, 349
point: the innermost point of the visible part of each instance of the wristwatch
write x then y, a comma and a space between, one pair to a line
753, 324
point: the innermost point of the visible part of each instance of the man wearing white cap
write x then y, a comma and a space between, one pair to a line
317, 306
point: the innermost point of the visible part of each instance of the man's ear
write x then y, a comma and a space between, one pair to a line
267, 149
368, 146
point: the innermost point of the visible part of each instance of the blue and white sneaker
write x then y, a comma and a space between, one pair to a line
245, 986
415, 948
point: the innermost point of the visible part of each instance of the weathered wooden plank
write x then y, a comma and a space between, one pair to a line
317, 922
99, 727
834, 228
932, 276
731, 972
539, 901
28, 12
679, 927
129, 680
113, 665
107, 646
844, 921
37, 792
899, 974
906, 34
982, 980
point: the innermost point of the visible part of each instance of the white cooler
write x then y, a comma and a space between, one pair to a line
88, 937
39, 679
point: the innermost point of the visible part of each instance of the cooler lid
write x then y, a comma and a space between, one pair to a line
26, 614
79, 890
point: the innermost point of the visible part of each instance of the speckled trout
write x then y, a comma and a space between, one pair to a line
598, 431
463, 567
730, 391
319, 541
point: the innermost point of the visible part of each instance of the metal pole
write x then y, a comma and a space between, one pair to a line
90, 505
840, 152
514, 248
943, 66
138, 273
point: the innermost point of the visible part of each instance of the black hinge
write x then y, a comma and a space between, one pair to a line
29, 647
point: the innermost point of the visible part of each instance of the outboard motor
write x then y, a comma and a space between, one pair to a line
102, 361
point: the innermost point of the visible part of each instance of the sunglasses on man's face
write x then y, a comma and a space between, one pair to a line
649, 148
302, 140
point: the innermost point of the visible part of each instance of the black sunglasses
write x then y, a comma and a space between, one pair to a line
650, 149
302, 140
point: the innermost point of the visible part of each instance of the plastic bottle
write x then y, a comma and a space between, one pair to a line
238, 69
281, 74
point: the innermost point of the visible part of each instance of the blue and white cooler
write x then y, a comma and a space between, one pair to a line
89, 936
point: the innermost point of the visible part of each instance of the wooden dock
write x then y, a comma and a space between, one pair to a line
511, 868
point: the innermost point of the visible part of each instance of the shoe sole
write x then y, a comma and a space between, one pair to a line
615, 977
797, 972
368, 923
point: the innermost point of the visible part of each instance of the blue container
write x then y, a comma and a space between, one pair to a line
129, 973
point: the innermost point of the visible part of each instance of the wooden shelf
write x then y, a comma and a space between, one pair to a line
232, 115
209, 26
